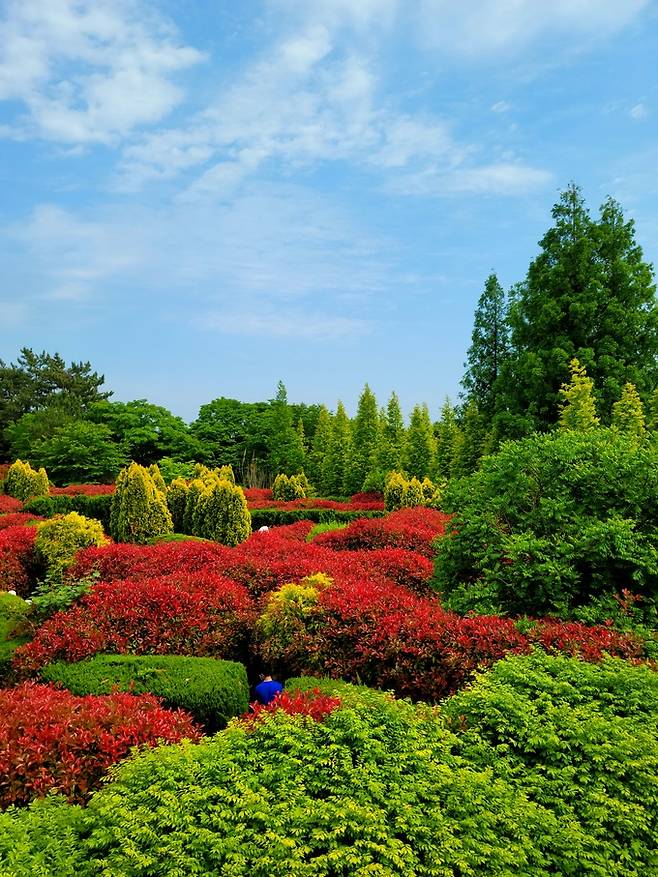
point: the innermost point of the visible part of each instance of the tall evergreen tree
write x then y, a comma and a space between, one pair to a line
392, 438
319, 450
365, 436
338, 460
589, 295
470, 444
447, 441
489, 348
286, 452
420, 446
628, 412
578, 408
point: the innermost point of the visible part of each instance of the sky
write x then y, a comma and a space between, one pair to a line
202, 198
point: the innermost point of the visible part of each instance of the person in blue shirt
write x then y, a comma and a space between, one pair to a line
267, 689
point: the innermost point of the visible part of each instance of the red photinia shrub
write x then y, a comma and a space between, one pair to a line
257, 494
185, 614
83, 490
8, 505
412, 529
53, 741
371, 496
18, 560
589, 643
17, 519
313, 704
124, 561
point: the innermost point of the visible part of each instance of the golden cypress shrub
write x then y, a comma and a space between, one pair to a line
221, 513
395, 491
158, 480
23, 482
139, 510
60, 538
177, 493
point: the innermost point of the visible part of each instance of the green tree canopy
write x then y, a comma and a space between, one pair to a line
489, 347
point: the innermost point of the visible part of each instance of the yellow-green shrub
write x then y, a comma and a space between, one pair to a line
219, 512
177, 494
23, 482
158, 480
400, 493
139, 510
287, 488
59, 539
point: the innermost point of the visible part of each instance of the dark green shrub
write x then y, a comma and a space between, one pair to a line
280, 517
551, 522
213, 691
580, 740
90, 506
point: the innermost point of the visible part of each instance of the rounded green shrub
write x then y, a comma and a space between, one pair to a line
59, 538
139, 510
23, 482
220, 513
288, 487
213, 691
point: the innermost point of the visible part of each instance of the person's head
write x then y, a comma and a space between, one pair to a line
265, 677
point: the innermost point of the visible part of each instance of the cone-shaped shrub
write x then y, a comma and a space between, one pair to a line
139, 510
158, 480
176, 501
221, 514
287, 488
23, 482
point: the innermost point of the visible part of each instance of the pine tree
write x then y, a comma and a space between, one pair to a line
578, 409
365, 438
286, 452
447, 441
489, 347
628, 413
588, 295
469, 448
420, 447
318, 455
392, 438
336, 468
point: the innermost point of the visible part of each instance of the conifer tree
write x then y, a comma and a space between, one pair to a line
578, 408
139, 510
392, 438
286, 452
365, 437
420, 446
447, 441
336, 468
489, 347
470, 444
628, 412
319, 450
158, 480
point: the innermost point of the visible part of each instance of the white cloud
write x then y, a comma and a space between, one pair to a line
501, 106
494, 26
638, 112
88, 71
284, 323
500, 178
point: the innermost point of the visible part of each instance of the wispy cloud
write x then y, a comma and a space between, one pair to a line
88, 71
638, 112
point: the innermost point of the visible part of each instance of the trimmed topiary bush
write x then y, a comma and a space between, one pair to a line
23, 482
139, 510
60, 538
213, 691
287, 488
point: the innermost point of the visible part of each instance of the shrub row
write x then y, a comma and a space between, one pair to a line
96, 506
211, 691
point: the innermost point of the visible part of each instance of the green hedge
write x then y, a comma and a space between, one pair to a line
278, 517
213, 691
97, 507
13, 632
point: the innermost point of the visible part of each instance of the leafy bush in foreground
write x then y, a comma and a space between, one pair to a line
59, 539
552, 522
212, 691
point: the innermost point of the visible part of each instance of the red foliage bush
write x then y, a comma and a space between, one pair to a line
412, 529
588, 643
18, 560
83, 490
184, 614
8, 505
257, 494
313, 704
51, 740
17, 519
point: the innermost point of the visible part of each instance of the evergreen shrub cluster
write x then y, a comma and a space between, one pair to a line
60, 538
139, 506
23, 482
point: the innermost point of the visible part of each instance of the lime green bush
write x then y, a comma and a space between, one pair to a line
23, 482
59, 538
177, 493
402, 493
221, 513
579, 740
289, 487
327, 527
139, 509
41, 840
212, 691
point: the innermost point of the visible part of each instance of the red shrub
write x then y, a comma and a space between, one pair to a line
9, 505
17, 519
302, 703
257, 494
412, 529
589, 643
184, 614
18, 560
51, 740
83, 490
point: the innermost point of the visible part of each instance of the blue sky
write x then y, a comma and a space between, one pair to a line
204, 197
